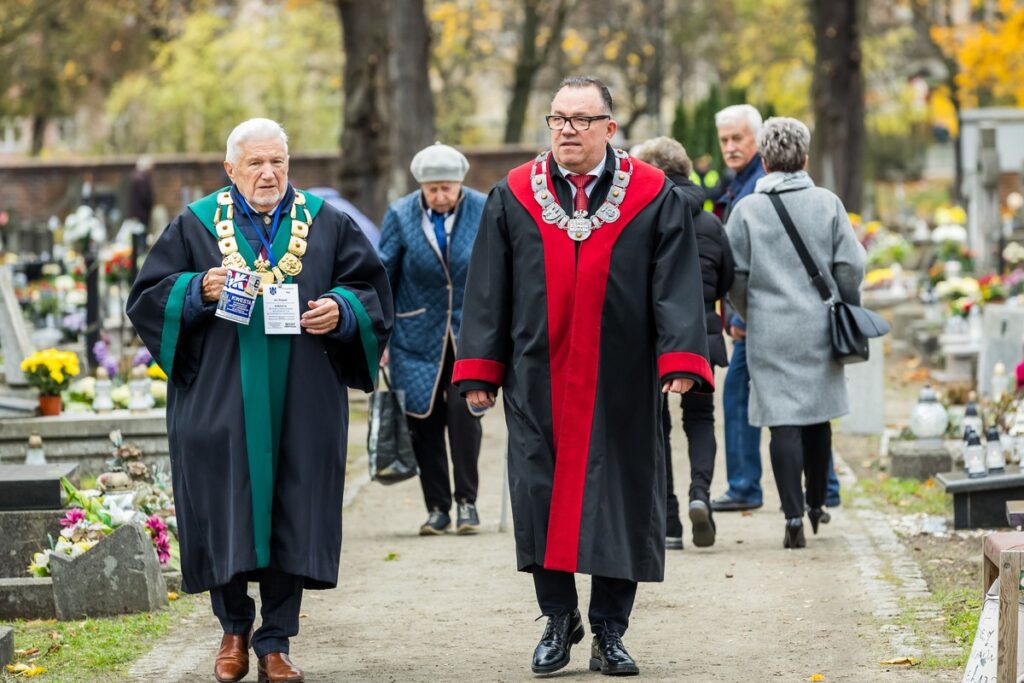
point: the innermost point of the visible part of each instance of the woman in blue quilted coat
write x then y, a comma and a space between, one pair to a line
425, 244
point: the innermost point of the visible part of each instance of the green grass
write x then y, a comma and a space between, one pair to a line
92, 649
961, 609
906, 495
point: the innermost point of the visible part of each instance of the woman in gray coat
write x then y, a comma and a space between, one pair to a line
796, 387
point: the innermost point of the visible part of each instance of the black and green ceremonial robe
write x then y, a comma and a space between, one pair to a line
580, 337
257, 423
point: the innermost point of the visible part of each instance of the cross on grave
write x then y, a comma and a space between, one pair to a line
14, 339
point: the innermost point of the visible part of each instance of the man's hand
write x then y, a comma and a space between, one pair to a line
213, 283
737, 333
322, 316
480, 399
679, 385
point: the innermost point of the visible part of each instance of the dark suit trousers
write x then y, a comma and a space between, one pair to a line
611, 600
450, 411
800, 450
281, 597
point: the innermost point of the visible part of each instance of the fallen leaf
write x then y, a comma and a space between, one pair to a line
25, 670
728, 575
817, 677
900, 661
53, 648
303, 616
27, 652
172, 596
391, 557
54, 635
746, 513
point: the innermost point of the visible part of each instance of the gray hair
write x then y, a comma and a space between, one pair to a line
783, 144
588, 82
253, 129
740, 113
664, 153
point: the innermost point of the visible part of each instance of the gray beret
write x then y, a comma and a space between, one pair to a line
437, 163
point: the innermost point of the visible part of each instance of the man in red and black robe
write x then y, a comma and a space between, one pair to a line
583, 332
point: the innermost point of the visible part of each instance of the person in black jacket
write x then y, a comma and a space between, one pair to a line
716, 264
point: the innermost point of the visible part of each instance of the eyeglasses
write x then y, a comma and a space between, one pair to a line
577, 123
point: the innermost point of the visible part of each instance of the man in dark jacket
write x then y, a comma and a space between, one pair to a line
716, 267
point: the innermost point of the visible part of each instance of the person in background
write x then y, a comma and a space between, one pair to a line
738, 126
334, 198
716, 269
796, 385
425, 244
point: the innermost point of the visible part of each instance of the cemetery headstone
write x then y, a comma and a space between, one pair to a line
33, 487
119, 575
6, 645
14, 336
865, 383
919, 459
1002, 342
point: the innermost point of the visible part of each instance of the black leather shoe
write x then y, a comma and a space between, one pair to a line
437, 523
561, 633
818, 515
726, 503
608, 655
468, 521
703, 524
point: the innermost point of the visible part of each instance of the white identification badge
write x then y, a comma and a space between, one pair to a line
281, 309
238, 298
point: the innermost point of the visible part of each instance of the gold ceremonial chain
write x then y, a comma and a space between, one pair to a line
289, 265
580, 225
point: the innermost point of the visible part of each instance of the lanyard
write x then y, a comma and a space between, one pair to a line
267, 244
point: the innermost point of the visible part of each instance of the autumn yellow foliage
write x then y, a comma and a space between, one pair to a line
989, 55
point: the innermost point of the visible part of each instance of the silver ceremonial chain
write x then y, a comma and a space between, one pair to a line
580, 225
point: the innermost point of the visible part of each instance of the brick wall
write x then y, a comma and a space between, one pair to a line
32, 191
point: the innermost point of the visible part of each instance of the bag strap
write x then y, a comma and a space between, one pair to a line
805, 256
383, 374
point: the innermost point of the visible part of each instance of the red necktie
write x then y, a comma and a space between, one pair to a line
580, 181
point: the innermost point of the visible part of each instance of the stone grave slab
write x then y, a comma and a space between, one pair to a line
119, 575
919, 459
28, 597
1002, 342
865, 383
33, 487
1015, 512
14, 335
6, 646
981, 503
24, 532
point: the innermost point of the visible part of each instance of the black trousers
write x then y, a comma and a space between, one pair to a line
281, 597
699, 426
611, 600
464, 434
800, 450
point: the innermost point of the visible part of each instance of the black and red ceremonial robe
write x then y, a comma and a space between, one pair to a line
580, 337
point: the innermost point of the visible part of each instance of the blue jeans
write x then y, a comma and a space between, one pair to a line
742, 441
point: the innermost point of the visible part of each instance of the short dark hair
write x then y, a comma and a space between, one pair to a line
588, 82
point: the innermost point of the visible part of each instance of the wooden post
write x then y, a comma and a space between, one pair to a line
1009, 609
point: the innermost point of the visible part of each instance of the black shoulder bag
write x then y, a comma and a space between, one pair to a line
852, 325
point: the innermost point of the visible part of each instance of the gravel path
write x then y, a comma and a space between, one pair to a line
455, 609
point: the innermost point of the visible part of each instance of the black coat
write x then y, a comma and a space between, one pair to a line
716, 264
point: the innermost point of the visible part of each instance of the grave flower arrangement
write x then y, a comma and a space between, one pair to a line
118, 267
50, 371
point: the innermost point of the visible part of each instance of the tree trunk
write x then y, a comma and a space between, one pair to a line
365, 168
656, 78
837, 147
529, 62
38, 134
413, 101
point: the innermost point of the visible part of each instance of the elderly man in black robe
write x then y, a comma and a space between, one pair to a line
256, 418
583, 303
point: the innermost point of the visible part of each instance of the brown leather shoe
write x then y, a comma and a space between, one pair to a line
277, 668
233, 658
